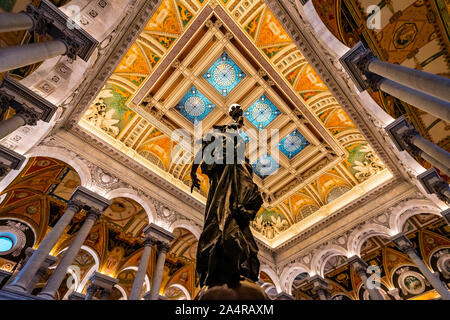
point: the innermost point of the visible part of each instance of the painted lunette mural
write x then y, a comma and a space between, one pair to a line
111, 118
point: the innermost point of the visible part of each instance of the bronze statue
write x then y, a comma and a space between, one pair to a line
227, 252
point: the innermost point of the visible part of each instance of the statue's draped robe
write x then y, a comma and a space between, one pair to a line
227, 250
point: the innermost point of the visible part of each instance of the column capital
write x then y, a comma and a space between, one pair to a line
90, 201
102, 281
25, 101
401, 133
318, 282
358, 264
355, 62
30, 116
10, 159
159, 234
163, 246
433, 183
49, 19
403, 243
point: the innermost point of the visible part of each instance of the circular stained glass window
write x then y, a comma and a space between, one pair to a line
261, 112
292, 143
224, 75
5, 244
195, 106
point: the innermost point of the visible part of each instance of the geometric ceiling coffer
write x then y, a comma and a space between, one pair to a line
262, 112
195, 106
265, 166
292, 144
224, 74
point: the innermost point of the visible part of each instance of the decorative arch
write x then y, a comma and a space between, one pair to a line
321, 258
273, 276
288, 275
132, 194
359, 236
402, 212
189, 226
333, 43
68, 157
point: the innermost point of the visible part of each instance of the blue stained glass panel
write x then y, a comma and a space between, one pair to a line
292, 144
195, 106
265, 166
262, 112
224, 74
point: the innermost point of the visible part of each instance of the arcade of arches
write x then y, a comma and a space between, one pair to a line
95, 198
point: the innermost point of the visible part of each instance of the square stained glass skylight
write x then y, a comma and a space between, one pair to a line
262, 112
195, 106
224, 74
265, 166
292, 144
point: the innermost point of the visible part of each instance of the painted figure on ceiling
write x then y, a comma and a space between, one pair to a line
227, 252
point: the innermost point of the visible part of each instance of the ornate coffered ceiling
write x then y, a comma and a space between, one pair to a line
196, 57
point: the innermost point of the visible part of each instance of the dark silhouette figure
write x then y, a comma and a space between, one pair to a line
227, 252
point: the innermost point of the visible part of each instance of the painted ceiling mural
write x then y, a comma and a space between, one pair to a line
140, 105
428, 233
414, 33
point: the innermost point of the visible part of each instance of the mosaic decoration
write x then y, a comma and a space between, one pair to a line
224, 75
265, 166
262, 112
195, 106
292, 144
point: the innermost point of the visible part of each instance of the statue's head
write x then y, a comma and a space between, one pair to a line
235, 111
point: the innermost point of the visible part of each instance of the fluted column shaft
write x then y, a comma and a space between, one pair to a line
435, 106
15, 22
431, 84
60, 272
157, 276
136, 290
28, 272
23, 55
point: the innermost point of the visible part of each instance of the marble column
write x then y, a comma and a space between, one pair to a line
15, 21
361, 269
428, 92
406, 246
59, 273
432, 105
24, 55
320, 285
9, 160
407, 138
159, 270
419, 80
29, 106
28, 272
42, 271
136, 290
